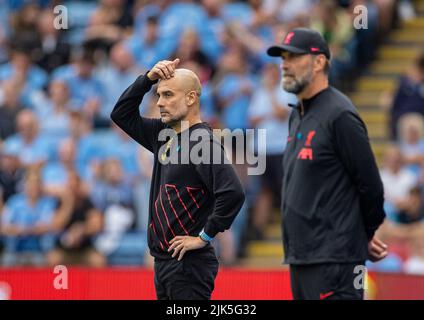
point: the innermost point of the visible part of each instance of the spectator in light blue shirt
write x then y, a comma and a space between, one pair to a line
238, 11
86, 90
113, 193
29, 77
146, 45
20, 67
53, 110
116, 76
27, 223
32, 147
55, 174
113, 188
144, 13
212, 29
269, 111
117, 144
179, 16
234, 90
88, 146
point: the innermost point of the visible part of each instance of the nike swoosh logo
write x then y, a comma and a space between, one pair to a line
323, 296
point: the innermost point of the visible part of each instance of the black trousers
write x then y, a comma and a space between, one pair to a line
329, 281
192, 278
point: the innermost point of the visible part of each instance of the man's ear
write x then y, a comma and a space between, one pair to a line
319, 63
191, 98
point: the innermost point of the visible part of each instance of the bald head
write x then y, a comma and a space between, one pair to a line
185, 80
179, 97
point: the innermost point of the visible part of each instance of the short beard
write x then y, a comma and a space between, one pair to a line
173, 121
296, 86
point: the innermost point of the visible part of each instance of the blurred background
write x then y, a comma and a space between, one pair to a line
74, 188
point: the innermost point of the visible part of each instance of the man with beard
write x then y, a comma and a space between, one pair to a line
332, 196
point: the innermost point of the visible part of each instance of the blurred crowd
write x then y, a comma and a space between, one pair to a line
74, 188
403, 175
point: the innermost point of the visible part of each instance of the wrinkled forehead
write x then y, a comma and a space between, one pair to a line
172, 84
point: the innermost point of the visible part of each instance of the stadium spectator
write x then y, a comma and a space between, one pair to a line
76, 223
26, 223
86, 90
10, 106
404, 231
269, 110
88, 149
189, 50
387, 12
53, 110
409, 96
411, 140
412, 210
213, 29
146, 46
55, 173
256, 34
113, 194
261, 16
116, 76
171, 24
33, 149
415, 262
28, 75
110, 23
335, 24
11, 173
3, 36
23, 24
397, 180
53, 51
117, 144
365, 40
234, 89
252, 43
113, 188
289, 11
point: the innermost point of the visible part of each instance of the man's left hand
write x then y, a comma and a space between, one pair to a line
377, 250
182, 244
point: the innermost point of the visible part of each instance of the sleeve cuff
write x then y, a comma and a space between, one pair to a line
147, 80
210, 229
370, 233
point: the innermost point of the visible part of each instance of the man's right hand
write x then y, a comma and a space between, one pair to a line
163, 70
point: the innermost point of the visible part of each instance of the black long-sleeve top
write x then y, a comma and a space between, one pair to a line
184, 198
332, 191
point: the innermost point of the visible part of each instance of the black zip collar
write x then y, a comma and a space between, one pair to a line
307, 102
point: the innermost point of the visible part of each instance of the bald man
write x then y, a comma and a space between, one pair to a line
189, 202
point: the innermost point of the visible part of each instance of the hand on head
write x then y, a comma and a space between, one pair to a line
162, 70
